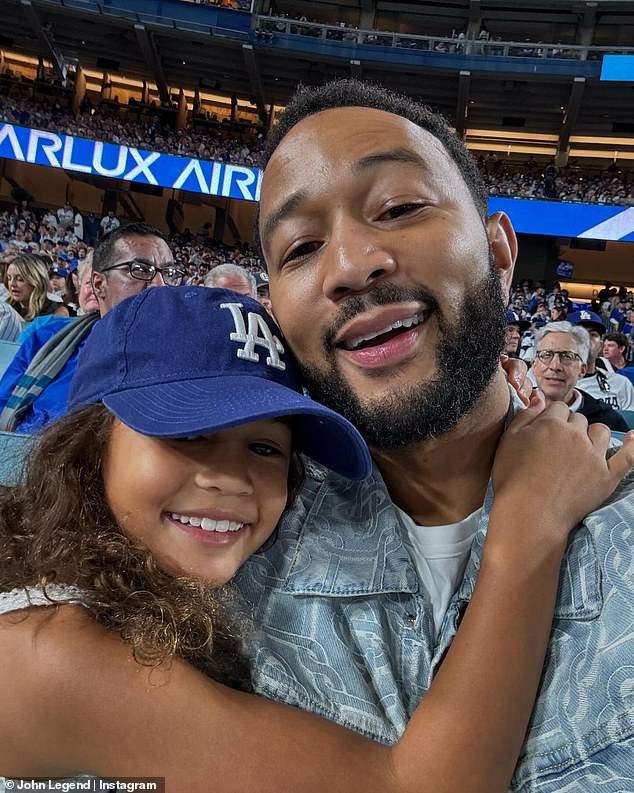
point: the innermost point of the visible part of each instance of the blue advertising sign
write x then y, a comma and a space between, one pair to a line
618, 68
559, 219
53, 149
82, 155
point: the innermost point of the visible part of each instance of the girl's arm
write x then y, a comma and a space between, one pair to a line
75, 701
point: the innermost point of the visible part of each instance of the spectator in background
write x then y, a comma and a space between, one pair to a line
558, 313
57, 280
28, 285
234, 277
262, 286
560, 362
614, 349
65, 216
91, 229
50, 219
109, 223
78, 224
515, 327
34, 392
613, 389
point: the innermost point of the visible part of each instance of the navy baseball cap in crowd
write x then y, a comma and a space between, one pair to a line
59, 271
262, 280
178, 361
587, 317
513, 319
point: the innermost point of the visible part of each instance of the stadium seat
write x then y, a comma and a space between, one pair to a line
14, 448
7, 350
628, 417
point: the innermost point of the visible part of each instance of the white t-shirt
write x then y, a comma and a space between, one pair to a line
439, 554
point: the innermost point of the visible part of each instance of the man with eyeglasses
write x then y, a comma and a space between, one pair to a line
560, 362
130, 259
34, 390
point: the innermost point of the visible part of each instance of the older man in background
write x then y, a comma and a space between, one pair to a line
234, 277
560, 363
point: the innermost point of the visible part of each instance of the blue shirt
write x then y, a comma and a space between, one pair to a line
51, 403
345, 632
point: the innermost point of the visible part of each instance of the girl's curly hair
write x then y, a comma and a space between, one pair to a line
56, 527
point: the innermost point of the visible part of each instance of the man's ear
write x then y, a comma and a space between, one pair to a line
99, 285
503, 244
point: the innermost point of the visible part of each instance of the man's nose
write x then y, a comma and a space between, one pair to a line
355, 258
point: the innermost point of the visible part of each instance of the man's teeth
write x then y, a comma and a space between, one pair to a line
400, 323
207, 524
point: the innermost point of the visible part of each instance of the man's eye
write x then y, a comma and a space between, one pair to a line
393, 213
142, 269
305, 249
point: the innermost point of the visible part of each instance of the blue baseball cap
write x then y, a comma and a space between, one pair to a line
587, 317
180, 361
513, 319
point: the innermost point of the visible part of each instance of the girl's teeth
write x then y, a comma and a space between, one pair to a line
207, 524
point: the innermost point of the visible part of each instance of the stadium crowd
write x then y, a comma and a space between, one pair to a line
533, 180
58, 366
118, 124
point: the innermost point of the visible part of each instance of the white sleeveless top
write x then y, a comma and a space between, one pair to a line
23, 598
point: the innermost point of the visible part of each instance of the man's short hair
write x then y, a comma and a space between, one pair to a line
104, 249
620, 339
355, 93
231, 270
579, 334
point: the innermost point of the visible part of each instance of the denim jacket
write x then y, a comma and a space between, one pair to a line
345, 633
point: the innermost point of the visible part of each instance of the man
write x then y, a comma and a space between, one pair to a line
57, 280
65, 216
234, 277
126, 261
515, 327
560, 363
613, 389
614, 349
109, 222
389, 282
262, 284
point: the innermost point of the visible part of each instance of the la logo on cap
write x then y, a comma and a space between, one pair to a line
585, 315
258, 334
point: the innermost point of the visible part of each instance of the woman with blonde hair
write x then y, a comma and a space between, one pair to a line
27, 282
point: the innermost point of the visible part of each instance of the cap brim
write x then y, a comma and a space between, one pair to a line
208, 405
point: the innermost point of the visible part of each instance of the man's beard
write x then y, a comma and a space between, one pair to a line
467, 357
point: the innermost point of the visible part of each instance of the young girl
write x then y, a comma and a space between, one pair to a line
174, 465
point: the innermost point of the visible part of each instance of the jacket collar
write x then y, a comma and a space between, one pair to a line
350, 545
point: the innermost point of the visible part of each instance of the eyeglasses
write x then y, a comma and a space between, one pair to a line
143, 270
566, 357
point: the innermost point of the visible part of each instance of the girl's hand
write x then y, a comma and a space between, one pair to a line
551, 465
